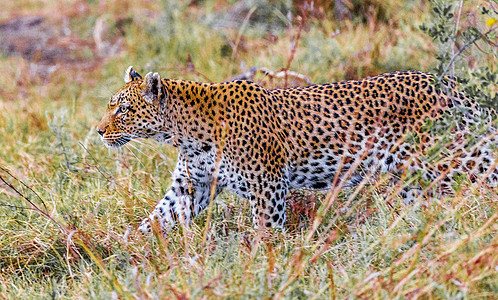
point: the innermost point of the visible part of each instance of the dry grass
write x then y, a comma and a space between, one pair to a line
78, 238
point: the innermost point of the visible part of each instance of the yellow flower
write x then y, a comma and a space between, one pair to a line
490, 22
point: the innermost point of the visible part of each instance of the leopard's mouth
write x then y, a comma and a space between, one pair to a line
116, 142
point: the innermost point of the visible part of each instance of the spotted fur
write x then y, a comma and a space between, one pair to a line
260, 143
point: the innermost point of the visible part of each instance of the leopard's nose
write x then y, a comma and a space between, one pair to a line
100, 131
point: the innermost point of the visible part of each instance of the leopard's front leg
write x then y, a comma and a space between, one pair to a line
188, 196
268, 203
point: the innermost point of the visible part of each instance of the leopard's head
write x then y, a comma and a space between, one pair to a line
135, 111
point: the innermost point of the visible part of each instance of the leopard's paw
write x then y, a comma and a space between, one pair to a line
145, 226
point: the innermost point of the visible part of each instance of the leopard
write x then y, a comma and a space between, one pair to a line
262, 143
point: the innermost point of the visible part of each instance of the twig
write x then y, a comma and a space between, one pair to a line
241, 31
35, 207
25, 185
247, 75
285, 74
464, 47
251, 73
454, 32
293, 48
452, 61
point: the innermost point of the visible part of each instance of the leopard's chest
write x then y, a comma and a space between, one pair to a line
207, 165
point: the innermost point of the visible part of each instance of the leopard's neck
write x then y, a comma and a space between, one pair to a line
193, 112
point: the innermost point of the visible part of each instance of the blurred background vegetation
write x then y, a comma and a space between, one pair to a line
69, 207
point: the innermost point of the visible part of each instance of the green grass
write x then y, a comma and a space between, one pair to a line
85, 245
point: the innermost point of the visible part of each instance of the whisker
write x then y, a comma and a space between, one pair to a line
134, 147
148, 146
134, 155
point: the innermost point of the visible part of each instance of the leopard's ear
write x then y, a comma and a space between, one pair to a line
153, 89
131, 75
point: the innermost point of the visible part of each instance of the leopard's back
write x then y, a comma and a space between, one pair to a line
370, 125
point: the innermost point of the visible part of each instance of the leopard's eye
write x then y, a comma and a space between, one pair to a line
122, 109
